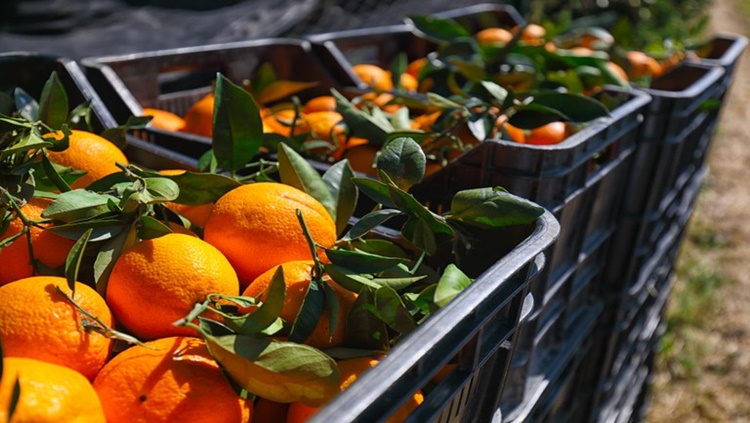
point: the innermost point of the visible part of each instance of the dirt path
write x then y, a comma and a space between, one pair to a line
710, 378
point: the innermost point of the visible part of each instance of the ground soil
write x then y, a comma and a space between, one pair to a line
717, 385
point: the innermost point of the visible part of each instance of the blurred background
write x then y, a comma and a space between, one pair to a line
702, 367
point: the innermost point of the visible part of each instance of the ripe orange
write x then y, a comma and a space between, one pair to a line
493, 36
551, 133
533, 33
37, 322
256, 227
267, 411
324, 103
197, 215
350, 370
617, 69
165, 120
374, 76
324, 124
168, 380
297, 280
49, 248
408, 82
642, 65
362, 158
280, 122
49, 393
199, 118
157, 281
89, 152
516, 134
415, 67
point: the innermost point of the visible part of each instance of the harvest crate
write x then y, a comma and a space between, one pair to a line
723, 50
479, 327
174, 80
380, 45
30, 71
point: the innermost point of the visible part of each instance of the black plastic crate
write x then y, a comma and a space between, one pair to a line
723, 50
174, 80
637, 239
479, 326
341, 50
673, 126
30, 71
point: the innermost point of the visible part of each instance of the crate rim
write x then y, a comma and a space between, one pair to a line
710, 78
405, 355
732, 54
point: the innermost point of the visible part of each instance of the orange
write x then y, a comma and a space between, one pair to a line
297, 279
197, 215
324, 124
617, 69
350, 370
424, 122
493, 36
199, 118
516, 134
642, 65
374, 76
280, 122
267, 411
89, 152
37, 322
551, 133
324, 103
165, 120
533, 33
362, 158
256, 227
49, 393
408, 82
49, 248
157, 281
415, 67
168, 380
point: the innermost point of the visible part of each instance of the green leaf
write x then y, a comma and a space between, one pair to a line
267, 313
398, 66
26, 105
79, 204
52, 174
161, 189
391, 310
53, 103
332, 306
151, 228
338, 179
201, 188
102, 229
410, 205
404, 161
419, 233
118, 134
451, 283
492, 208
424, 300
441, 102
108, 254
237, 126
278, 371
14, 398
30, 141
309, 313
497, 92
207, 162
349, 279
80, 116
360, 124
376, 190
436, 29
73, 260
364, 329
576, 107
362, 262
368, 222
534, 115
294, 170
471, 70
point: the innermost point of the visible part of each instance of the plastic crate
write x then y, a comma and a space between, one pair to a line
30, 71
380, 45
174, 80
479, 326
673, 127
723, 50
